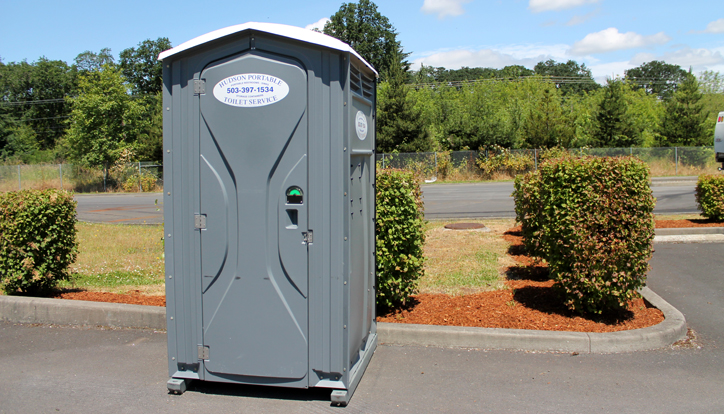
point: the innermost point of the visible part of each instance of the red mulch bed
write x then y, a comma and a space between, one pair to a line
529, 303
675, 224
134, 298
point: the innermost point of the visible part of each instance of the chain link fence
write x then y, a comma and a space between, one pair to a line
433, 166
506, 164
131, 177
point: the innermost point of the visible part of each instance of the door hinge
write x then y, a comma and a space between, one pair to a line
199, 86
308, 237
203, 352
200, 221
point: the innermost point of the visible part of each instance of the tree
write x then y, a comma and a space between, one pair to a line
370, 33
141, 67
33, 95
543, 127
515, 71
657, 77
104, 120
711, 82
149, 145
614, 127
399, 125
90, 61
684, 119
578, 78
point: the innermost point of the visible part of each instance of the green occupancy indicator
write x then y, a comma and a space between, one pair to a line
294, 195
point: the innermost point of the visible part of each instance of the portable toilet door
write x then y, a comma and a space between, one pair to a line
262, 172
238, 152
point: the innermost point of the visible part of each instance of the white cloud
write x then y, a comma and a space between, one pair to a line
697, 59
319, 25
611, 39
525, 55
444, 7
537, 6
717, 26
576, 20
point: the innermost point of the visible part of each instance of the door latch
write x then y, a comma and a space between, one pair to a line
200, 221
308, 237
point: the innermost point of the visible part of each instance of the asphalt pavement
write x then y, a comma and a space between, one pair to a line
121, 208
675, 195
84, 370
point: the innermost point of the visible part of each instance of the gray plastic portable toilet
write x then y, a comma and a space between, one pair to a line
269, 137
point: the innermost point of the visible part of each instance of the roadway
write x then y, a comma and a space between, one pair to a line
675, 195
88, 370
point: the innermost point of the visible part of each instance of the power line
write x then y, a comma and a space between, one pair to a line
37, 102
558, 80
40, 119
57, 100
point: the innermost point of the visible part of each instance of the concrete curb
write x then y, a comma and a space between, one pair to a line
75, 312
686, 231
690, 235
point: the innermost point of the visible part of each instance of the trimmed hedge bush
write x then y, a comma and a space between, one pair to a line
592, 220
710, 196
37, 239
400, 236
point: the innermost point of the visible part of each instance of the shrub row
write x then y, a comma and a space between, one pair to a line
592, 220
400, 236
37, 239
710, 196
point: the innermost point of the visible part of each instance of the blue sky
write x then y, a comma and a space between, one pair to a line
609, 36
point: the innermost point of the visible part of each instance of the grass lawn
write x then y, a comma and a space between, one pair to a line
118, 258
465, 261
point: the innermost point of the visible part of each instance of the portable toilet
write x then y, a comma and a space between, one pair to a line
269, 137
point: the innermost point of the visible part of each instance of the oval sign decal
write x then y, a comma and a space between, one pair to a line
360, 122
251, 90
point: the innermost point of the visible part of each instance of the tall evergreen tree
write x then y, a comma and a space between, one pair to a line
370, 33
399, 126
684, 121
614, 127
543, 127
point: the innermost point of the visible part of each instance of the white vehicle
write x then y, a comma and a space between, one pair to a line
719, 139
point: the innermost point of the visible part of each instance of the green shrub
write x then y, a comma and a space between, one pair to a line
526, 195
592, 220
400, 236
497, 159
147, 181
710, 196
37, 239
